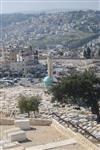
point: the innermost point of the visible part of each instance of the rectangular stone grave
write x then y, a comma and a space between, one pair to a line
22, 124
18, 136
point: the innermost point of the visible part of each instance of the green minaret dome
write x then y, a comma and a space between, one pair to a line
48, 81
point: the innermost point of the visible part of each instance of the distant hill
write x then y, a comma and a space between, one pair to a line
48, 29
8, 19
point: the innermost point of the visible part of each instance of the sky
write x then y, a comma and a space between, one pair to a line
14, 6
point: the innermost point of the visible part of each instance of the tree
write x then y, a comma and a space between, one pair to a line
82, 89
60, 53
87, 53
30, 47
27, 104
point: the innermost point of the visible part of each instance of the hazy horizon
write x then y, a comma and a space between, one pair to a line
49, 5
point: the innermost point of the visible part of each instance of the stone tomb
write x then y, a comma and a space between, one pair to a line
22, 124
19, 136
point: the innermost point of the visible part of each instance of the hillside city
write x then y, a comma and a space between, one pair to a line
69, 31
64, 34
50, 80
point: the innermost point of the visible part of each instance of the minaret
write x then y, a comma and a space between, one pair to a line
49, 63
48, 80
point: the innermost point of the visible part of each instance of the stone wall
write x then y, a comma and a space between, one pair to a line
66, 132
6, 122
88, 144
33, 122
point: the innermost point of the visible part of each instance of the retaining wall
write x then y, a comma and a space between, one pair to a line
33, 122
6, 121
78, 137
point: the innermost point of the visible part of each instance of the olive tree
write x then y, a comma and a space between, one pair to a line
82, 89
28, 104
